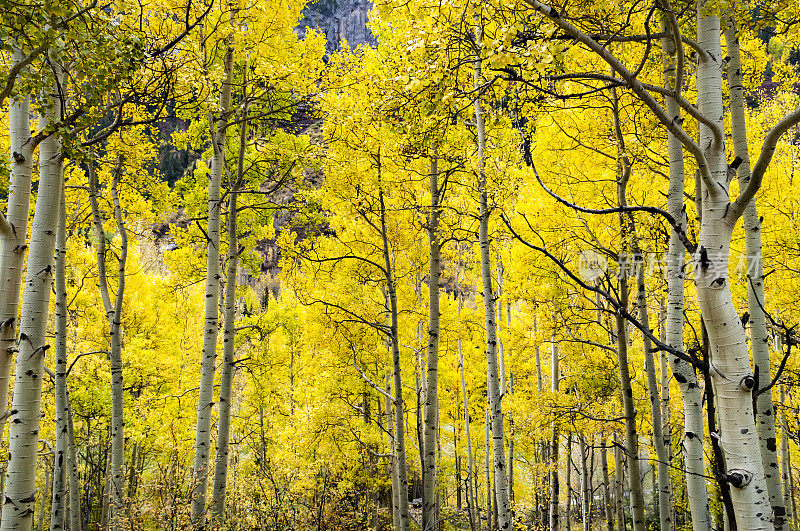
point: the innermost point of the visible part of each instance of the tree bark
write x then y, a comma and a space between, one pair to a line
75, 513
20, 491
608, 513
400, 437
759, 339
205, 400
619, 484
730, 361
554, 487
229, 340
492, 369
59, 498
429, 505
13, 242
586, 508
684, 373
113, 311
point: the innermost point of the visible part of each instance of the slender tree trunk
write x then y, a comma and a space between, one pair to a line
490, 510
492, 368
400, 437
619, 484
20, 491
471, 495
47, 486
786, 468
75, 513
759, 339
568, 483
684, 373
628, 241
13, 242
730, 370
554, 487
393, 460
586, 509
228, 342
205, 400
429, 506
664, 486
608, 513
664, 378
59, 498
114, 316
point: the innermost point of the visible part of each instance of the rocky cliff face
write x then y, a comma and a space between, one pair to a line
339, 20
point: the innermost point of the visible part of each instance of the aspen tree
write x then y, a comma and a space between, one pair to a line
14, 231
20, 488
472, 494
60, 460
113, 312
229, 334
685, 374
492, 370
553, 465
205, 400
759, 340
430, 509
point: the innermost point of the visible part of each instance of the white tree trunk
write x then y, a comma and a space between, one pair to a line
619, 484
586, 508
554, 487
205, 399
60, 461
20, 491
13, 242
75, 516
759, 339
394, 335
729, 357
607, 512
113, 311
429, 505
664, 485
228, 343
393, 459
492, 368
683, 372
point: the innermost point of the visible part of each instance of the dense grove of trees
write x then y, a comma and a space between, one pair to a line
487, 272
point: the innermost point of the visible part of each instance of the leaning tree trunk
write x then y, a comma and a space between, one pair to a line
59, 498
25, 416
205, 399
492, 370
228, 341
759, 340
13, 238
730, 361
429, 505
684, 373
